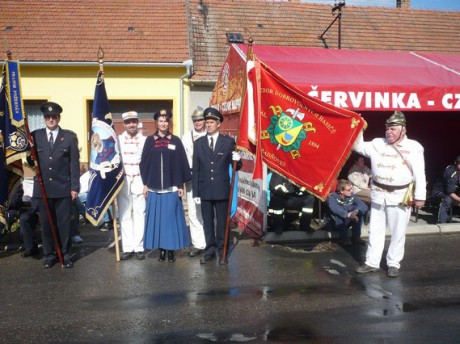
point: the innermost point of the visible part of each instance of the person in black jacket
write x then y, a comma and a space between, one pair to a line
447, 188
288, 202
212, 156
59, 162
164, 169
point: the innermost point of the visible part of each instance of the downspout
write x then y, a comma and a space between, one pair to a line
188, 64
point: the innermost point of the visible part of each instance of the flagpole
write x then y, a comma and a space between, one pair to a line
33, 152
100, 57
229, 210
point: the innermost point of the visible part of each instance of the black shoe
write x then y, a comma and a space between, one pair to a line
67, 264
49, 263
223, 262
126, 255
140, 255
364, 269
195, 252
162, 255
358, 241
171, 257
30, 253
345, 241
207, 259
393, 272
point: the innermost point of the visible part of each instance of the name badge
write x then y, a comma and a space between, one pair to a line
172, 147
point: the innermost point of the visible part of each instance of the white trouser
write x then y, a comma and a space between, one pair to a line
132, 219
396, 217
195, 220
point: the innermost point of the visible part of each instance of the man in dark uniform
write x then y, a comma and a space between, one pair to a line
212, 157
59, 162
447, 188
288, 203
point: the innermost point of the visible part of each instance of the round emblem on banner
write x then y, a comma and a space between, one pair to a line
286, 130
18, 140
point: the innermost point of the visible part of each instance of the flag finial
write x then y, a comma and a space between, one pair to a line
100, 57
250, 52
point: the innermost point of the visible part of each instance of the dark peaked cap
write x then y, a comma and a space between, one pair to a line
211, 113
50, 108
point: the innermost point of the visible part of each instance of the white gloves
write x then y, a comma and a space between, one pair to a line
236, 156
197, 200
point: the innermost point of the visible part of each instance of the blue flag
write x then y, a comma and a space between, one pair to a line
13, 139
235, 192
106, 168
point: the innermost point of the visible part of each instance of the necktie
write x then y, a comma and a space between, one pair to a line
211, 143
51, 141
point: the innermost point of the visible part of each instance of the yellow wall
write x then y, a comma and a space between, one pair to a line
72, 87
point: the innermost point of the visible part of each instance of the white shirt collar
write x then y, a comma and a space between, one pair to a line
55, 132
214, 136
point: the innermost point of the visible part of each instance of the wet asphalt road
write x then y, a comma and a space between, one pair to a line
267, 293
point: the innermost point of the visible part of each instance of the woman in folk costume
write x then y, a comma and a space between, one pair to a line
164, 170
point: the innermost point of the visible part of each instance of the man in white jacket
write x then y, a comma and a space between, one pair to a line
396, 162
194, 210
131, 200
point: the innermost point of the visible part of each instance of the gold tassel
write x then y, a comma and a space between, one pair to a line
408, 198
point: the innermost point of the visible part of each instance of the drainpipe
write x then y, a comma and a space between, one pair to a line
188, 64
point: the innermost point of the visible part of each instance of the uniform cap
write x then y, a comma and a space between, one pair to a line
211, 113
397, 118
50, 108
162, 112
198, 114
129, 115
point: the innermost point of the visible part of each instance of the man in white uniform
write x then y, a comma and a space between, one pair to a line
194, 210
396, 161
131, 200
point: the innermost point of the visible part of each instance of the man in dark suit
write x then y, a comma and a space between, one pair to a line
59, 162
212, 157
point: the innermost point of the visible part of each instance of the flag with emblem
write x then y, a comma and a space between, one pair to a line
106, 168
13, 138
299, 136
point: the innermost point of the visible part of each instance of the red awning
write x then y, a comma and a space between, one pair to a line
368, 80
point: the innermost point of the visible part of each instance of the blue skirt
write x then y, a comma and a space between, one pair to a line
165, 225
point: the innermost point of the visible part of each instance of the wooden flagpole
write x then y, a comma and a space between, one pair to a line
229, 212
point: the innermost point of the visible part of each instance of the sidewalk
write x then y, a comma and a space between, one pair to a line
423, 225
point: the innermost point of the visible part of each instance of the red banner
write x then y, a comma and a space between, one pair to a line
227, 96
298, 136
